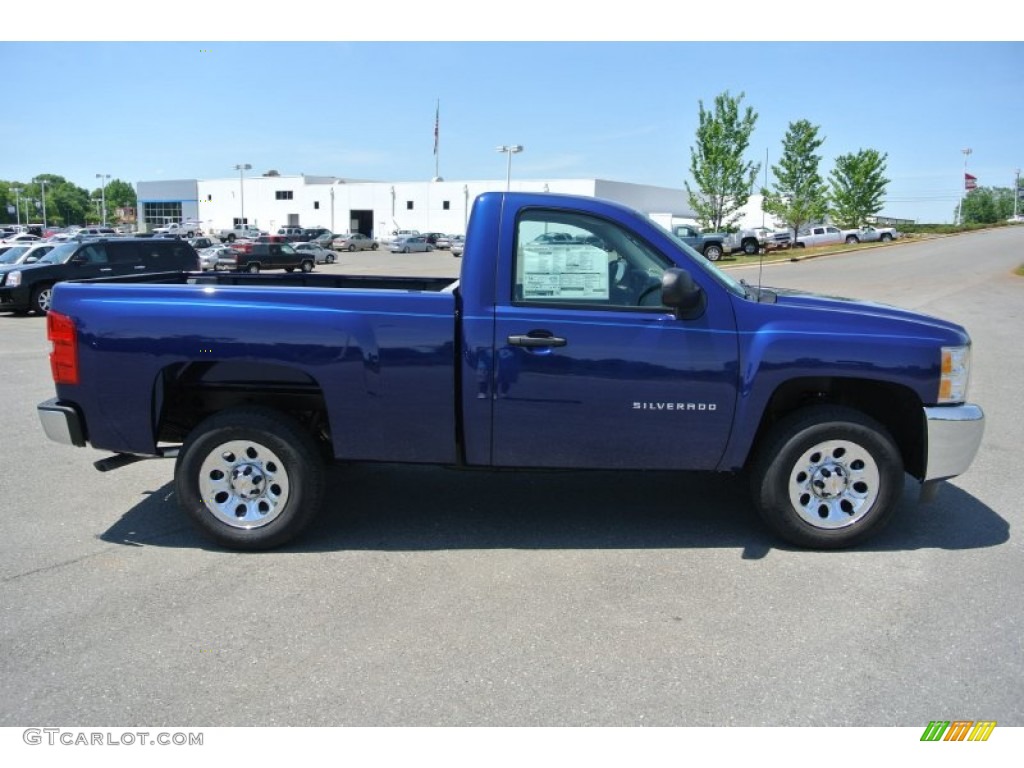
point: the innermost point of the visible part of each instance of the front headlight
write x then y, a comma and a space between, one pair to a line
13, 279
956, 372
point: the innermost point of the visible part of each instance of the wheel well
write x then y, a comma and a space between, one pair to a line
189, 392
896, 407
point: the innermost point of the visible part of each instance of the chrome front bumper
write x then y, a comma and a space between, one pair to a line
954, 435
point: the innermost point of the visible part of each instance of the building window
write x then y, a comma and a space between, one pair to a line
408, 205
446, 205
161, 214
283, 194
316, 205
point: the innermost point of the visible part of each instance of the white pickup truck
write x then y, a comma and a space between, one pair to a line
183, 229
241, 232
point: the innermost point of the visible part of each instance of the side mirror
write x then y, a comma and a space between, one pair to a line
680, 292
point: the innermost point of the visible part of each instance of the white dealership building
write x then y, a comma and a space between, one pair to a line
374, 208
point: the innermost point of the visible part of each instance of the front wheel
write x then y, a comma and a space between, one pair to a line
751, 247
827, 477
351, 247
42, 299
373, 247
307, 266
713, 252
253, 268
250, 478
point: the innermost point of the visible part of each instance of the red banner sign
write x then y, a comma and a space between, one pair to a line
970, 182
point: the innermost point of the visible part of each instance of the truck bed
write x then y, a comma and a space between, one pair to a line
289, 280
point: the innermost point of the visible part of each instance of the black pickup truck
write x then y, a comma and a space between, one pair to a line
266, 256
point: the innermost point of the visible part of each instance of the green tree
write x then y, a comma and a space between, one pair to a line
858, 186
798, 195
723, 179
988, 205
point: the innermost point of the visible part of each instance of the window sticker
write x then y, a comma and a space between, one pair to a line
565, 271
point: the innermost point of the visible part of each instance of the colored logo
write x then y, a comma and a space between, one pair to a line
958, 730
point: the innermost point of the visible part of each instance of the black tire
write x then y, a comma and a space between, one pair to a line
330, 258
250, 478
231, 238
751, 247
852, 240
42, 298
713, 252
307, 266
253, 268
373, 247
800, 245
406, 249
886, 237
351, 247
289, 269
827, 477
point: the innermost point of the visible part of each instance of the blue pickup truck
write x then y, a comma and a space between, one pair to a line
613, 346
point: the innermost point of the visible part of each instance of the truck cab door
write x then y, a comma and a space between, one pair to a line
587, 368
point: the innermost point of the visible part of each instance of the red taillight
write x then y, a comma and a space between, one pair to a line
60, 330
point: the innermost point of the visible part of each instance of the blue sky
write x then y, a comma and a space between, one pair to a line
625, 111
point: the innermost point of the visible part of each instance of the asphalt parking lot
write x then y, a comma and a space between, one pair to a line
425, 596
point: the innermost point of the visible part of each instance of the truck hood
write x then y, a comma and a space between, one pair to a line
856, 312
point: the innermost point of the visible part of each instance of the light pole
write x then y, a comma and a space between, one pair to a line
242, 168
332, 209
42, 195
963, 188
509, 149
103, 177
17, 203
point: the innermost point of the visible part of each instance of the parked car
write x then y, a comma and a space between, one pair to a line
872, 235
398, 233
262, 256
209, 258
199, 243
320, 254
25, 288
458, 243
819, 235
21, 237
26, 253
410, 243
293, 234
318, 235
97, 232
436, 238
357, 241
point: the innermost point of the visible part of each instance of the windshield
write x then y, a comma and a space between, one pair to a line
718, 275
60, 254
11, 255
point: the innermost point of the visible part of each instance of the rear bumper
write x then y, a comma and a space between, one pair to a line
954, 435
62, 422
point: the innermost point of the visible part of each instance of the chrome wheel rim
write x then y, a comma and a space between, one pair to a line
44, 299
244, 484
834, 484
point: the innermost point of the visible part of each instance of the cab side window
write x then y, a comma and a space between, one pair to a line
575, 259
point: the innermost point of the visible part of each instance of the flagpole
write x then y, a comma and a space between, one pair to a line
437, 141
963, 188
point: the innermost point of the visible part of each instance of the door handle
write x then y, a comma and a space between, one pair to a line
531, 340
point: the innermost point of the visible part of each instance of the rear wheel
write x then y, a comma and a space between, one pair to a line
250, 478
827, 477
351, 247
885, 238
307, 266
373, 247
253, 268
851, 239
